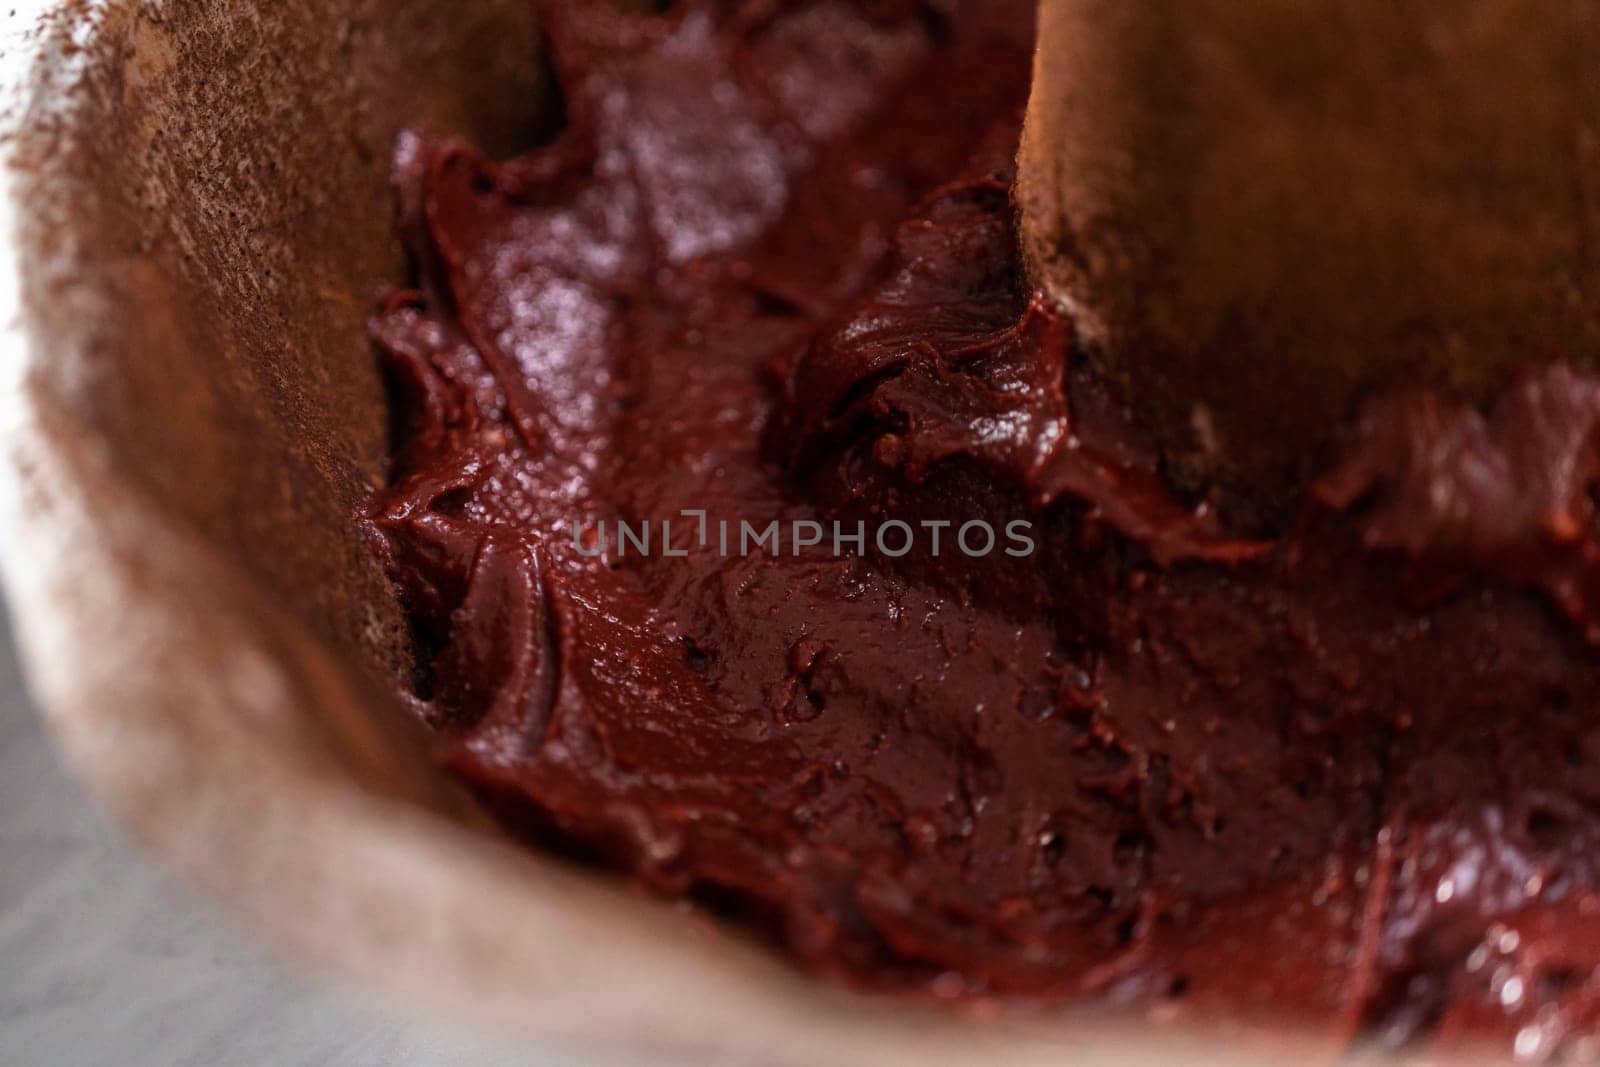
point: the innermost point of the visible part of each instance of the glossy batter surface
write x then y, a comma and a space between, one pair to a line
1345, 774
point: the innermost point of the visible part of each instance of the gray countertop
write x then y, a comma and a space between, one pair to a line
103, 963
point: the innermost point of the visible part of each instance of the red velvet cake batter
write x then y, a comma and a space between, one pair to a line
1345, 774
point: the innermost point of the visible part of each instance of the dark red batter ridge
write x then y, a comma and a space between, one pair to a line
1347, 776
